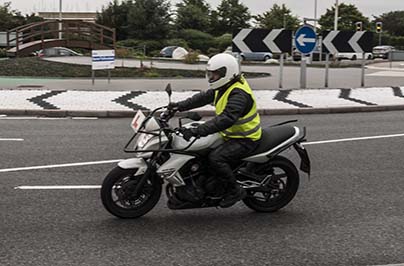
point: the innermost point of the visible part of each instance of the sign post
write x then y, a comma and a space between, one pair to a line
305, 42
277, 41
102, 59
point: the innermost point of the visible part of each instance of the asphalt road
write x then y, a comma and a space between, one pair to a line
350, 212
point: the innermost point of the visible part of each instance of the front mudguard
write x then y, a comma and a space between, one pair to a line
134, 163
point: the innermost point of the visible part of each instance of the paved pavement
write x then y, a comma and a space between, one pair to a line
121, 97
125, 103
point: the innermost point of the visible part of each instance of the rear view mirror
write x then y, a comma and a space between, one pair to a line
168, 89
194, 116
169, 92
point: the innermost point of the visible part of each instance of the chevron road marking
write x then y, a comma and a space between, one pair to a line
239, 40
354, 41
327, 42
270, 41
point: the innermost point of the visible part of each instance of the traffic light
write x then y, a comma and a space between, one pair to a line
379, 27
359, 26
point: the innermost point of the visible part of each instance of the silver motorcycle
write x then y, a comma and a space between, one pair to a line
163, 156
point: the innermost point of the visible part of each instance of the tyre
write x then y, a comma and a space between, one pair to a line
282, 184
370, 57
117, 193
354, 57
267, 57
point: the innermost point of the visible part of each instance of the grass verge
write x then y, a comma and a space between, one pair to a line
35, 67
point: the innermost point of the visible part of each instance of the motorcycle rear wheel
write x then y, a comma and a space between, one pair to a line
286, 177
117, 198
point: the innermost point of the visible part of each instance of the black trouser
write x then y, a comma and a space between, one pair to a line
230, 153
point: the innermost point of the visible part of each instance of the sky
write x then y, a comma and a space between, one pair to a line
301, 8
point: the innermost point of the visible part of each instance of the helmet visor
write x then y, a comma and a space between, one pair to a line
215, 75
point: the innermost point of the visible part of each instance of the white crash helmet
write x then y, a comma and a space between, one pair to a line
226, 66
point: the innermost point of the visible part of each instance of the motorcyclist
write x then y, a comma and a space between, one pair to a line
236, 119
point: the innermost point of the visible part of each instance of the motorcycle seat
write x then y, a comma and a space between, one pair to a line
273, 136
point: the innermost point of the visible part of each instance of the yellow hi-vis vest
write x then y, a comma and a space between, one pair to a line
247, 126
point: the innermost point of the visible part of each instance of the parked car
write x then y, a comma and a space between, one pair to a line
168, 51
253, 56
354, 56
56, 51
382, 51
256, 56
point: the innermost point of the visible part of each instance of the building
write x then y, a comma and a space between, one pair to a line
86, 16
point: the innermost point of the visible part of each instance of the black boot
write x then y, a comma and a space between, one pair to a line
234, 194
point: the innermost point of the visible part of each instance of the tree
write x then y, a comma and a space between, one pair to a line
149, 19
393, 22
9, 18
193, 14
277, 17
230, 15
348, 16
115, 15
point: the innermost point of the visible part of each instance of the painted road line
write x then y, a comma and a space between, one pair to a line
118, 160
57, 166
58, 187
8, 139
400, 264
352, 139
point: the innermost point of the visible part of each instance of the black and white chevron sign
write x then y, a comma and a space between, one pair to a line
261, 40
347, 41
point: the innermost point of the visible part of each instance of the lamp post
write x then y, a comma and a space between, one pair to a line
336, 16
60, 19
315, 15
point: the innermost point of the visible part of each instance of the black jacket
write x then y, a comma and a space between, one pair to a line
238, 105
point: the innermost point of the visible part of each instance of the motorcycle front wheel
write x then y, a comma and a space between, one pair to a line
279, 189
117, 193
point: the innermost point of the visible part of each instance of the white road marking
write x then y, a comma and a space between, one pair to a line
400, 264
118, 160
57, 166
58, 187
9, 139
352, 139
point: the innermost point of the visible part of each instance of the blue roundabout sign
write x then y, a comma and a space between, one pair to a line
305, 39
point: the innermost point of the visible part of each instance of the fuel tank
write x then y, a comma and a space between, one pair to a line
211, 141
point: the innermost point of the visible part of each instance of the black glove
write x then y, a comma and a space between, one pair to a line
173, 106
188, 133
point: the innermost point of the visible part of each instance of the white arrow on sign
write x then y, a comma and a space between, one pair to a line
269, 41
327, 42
354, 41
301, 40
239, 40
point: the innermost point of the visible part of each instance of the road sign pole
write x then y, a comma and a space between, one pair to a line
281, 70
303, 72
327, 69
380, 38
93, 76
109, 76
363, 71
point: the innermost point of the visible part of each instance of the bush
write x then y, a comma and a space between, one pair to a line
197, 39
222, 42
177, 42
139, 45
213, 51
191, 57
3, 52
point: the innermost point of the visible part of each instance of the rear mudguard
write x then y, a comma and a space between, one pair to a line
134, 163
